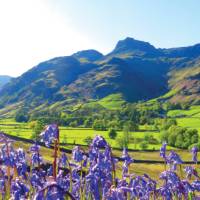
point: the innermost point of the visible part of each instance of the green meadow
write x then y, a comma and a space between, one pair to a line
185, 118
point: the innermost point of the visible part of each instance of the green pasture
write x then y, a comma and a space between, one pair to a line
75, 136
193, 111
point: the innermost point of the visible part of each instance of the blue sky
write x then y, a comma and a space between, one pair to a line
35, 30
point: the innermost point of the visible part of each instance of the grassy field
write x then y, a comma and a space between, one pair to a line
73, 135
186, 118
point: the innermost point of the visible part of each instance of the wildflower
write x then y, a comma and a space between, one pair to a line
194, 151
190, 171
99, 142
77, 154
63, 160
50, 133
126, 157
163, 150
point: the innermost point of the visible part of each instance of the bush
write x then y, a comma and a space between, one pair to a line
181, 137
144, 145
124, 141
112, 134
38, 127
21, 117
99, 125
150, 139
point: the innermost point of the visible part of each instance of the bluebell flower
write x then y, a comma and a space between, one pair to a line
190, 171
194, 151
63, 160
196, 185
34, 148
163, 150
99, 142
19, 190
173, 159
50, 133
126, 157
36, 159
77, 154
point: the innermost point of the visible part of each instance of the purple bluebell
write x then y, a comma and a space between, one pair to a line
19, 190
36, 159
99, 142
63, 160
126, 157
34, 148
77, 154
196, 185
190, 171
163, 150
50, 133
173, 159
194, 151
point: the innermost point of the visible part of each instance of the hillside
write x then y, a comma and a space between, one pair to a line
134, 70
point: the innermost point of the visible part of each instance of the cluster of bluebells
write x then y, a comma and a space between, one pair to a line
89, 174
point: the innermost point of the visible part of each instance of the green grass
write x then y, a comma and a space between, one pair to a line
112, 102
193, 111
75, 136
188, 122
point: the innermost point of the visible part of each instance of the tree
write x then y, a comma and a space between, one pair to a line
73, 124
124, 140
112, 133
21, 116
132, 126
87, 123
167, 123
99, 125
38, 127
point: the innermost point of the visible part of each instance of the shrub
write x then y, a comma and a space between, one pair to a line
112, 134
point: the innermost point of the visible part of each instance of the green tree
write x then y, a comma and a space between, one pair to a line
112, 133
38, 127
99, 125
73, 124
132, 126
144, 145
125, 139
21, 116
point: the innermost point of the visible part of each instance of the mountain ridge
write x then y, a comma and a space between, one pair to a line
135, 69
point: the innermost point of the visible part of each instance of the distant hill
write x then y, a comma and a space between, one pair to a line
135, 70
4, 80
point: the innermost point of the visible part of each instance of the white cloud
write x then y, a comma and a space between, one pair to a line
31, 31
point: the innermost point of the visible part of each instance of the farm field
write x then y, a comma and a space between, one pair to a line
74, 135
77, 135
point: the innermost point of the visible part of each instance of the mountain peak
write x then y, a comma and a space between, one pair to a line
136, 46
90, 55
